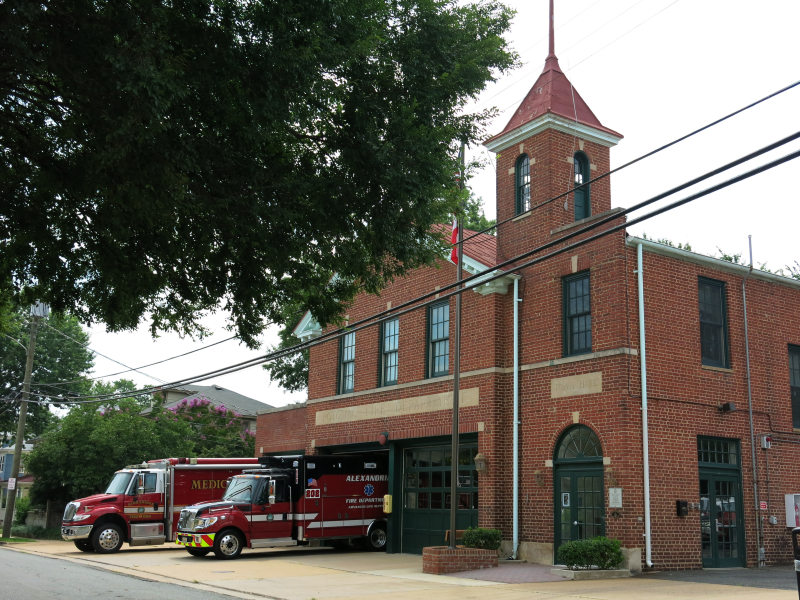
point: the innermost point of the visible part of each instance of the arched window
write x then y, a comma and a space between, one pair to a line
523, 175
579, 443
583, 205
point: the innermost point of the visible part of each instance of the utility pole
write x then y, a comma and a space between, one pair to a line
38, 311
457, 367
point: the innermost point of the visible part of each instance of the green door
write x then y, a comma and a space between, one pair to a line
721, 521
427, 495
580, 507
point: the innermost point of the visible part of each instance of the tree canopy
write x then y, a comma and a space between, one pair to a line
58, 359
163, 159
78, 456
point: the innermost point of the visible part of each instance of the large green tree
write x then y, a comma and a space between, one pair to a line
78, 456
164, 158
60, 368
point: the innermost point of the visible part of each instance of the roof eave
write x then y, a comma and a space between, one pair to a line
550, 120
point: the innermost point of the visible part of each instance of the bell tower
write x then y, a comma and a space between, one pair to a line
551, 143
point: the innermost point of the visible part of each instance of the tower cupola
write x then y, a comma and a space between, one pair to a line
551, 143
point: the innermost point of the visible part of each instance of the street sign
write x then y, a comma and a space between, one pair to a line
12, 483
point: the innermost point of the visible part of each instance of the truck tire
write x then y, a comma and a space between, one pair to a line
84, 545
376, 539
228, 544
198, 551
107, 538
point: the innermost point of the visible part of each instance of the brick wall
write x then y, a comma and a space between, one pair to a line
683, 395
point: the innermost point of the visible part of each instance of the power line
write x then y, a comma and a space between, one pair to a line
143, 366
69, 337
480, 278
521, 79
640, 158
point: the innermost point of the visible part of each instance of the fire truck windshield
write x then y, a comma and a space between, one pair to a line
240, 489
119, 484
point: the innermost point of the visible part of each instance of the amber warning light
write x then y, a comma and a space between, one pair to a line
387, 503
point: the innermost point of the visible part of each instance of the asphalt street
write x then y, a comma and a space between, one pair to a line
776, 578
29, 577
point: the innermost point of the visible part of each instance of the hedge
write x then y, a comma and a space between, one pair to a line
602, 552
36, 533
485, 539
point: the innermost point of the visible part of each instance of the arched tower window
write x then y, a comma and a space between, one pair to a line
579, 443
523, 186
583, 205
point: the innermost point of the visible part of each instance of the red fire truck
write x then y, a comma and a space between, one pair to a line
142, 502
292, 501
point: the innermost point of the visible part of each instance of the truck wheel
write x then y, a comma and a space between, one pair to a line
107, 539
228, 544
84, 545
376, 539
198, 551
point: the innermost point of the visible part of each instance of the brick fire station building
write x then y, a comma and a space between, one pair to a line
388, 389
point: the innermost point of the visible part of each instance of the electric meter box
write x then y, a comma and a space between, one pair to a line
792, 510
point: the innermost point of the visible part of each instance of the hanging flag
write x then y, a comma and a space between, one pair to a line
454, 241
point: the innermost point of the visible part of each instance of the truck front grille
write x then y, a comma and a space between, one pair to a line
186, 520
70, 510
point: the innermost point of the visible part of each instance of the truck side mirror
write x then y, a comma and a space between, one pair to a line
140, 488
272, 491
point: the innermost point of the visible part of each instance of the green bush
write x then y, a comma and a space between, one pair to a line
21, 508
485, 539
36, 533
602, 552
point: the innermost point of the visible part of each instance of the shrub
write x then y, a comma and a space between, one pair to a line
36, 533
21, 509
485, 539
602, 552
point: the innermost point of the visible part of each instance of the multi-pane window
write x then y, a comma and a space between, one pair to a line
718, 452
713, 323
439, 339
347, 363
577, 315
391, 333
583, 207
523, 175
794, 382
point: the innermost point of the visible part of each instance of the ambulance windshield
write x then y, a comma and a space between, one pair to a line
119, 484
240, 489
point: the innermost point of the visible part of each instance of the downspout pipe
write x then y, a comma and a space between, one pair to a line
515, 466
760, 559
645, 432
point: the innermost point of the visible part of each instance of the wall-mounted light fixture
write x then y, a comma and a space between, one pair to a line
481, 464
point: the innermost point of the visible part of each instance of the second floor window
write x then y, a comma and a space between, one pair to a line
439, 339
347, 363
583, 206
390, 337
523, 175
713, 323
577, 315
794, 382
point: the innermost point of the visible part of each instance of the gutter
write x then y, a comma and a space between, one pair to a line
515, 467
761, 557
645, 430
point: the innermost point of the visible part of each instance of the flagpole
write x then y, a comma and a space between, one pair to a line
457, 366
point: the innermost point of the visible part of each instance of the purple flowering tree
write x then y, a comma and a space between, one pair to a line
217, 430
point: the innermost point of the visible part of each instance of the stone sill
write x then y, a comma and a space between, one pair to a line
524, 215
717, 369
586, 220
590, 574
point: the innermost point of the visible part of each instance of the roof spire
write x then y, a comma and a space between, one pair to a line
552, 48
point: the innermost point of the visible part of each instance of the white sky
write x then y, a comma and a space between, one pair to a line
652, 70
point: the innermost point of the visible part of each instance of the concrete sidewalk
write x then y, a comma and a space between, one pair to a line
322, 573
